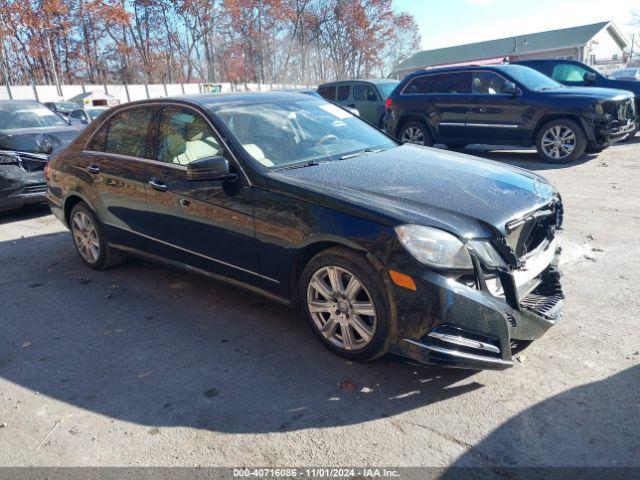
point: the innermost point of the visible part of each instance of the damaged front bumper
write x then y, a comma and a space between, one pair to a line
480, 326
22, 179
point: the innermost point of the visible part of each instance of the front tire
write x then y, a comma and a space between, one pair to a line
346, 303
560, 141
416, 133
89, 240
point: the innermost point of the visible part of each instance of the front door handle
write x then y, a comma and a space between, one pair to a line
157, 185
482, 110
93, 169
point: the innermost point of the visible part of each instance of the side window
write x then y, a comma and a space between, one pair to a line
487, 83
99, 139
328, 92
184, 136
364, 93
343, 92
127, 133
459, 82
569, 72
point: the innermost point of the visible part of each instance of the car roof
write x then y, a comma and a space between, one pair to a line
375, 81
216, 100
464, 68
9, 102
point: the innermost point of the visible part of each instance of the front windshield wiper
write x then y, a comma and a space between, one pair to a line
361, 152
310, 163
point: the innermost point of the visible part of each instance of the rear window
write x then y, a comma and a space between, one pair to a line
459, 82
343, 92
328, 92
125, 134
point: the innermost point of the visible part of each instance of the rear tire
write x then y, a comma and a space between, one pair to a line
415, 132
560, 141
352, 319
89, 240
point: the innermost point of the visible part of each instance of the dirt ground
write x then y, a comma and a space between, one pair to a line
143, 365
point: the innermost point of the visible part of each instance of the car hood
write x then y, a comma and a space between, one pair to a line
468, 196
630, 85
595, 93
38, 140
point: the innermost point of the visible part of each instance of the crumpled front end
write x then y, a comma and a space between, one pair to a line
480, 320
22, 179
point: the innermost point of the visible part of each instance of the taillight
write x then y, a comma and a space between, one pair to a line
388, 103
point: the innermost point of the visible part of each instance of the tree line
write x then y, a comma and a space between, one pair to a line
299, 42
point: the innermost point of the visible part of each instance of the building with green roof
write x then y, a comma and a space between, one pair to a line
599, 44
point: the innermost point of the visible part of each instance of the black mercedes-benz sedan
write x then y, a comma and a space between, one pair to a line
438, 257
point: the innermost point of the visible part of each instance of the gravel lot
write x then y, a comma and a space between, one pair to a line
143, 365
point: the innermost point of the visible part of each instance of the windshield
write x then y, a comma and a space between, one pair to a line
386, 88
65, 106
530, 78
94, 112
27, 115
290, 132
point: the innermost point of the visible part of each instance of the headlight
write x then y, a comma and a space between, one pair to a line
434, 247
486, 251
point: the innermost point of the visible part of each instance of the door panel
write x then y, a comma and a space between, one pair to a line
444, 100
120, 185
494, 117
212, 220
365, 99
114, 161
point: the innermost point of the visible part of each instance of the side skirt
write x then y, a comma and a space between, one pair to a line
182, 266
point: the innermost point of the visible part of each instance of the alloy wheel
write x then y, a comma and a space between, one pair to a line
85, 237
413, 135
558, 142
341, 308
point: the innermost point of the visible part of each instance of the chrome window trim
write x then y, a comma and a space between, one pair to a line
221, 262
161, 104
402, 92
138, 159
471, 71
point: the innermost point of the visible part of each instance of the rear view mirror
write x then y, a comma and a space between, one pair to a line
509, 88
590, 77
209, 168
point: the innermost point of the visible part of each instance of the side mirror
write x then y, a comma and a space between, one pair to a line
509, 88
209, 168
590, 77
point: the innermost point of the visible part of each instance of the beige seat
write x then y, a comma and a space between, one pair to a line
199, 144
257, 153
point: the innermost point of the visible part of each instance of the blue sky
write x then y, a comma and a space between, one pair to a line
453, 22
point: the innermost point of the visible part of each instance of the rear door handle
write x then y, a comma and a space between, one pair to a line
157, 185
93, 169
482, 110
352, 105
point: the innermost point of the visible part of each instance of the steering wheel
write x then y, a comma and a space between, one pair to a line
326, 138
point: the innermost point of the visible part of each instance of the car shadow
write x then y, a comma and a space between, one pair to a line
25, 213
580, 427
146, 344
524, 158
